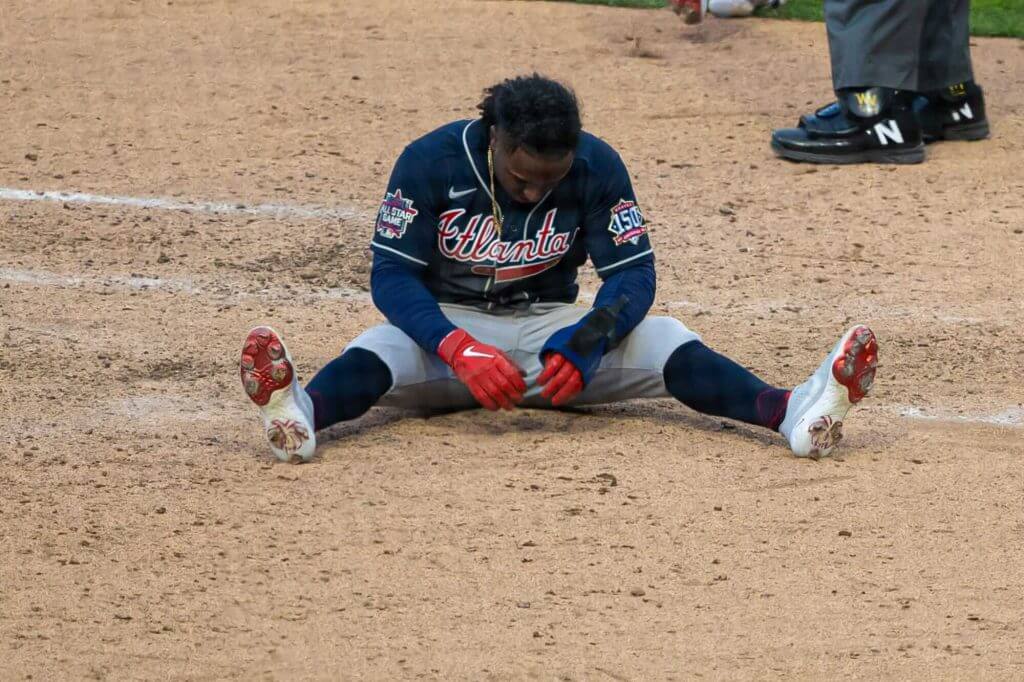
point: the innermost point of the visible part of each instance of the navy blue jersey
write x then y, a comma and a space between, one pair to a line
437, 217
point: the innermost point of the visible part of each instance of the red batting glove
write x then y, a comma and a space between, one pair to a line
561, 380
493, 379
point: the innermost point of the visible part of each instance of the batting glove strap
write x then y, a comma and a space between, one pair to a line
585, 357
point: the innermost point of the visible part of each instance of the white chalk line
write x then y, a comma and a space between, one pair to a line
167, 204
189, 286
1011, 416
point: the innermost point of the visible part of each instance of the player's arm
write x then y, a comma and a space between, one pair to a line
399, 293
402, 245
616, 239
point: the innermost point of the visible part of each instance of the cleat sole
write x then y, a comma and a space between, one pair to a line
910, 155
263, 367
856, 365
971, 132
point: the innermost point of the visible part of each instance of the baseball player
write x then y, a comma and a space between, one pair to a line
476, 248
902, 75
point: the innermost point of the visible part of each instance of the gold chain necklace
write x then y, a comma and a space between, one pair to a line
495, 209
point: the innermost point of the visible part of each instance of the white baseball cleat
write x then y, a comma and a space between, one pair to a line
814, 416
739, 8
268, 377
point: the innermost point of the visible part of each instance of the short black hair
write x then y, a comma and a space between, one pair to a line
534, 112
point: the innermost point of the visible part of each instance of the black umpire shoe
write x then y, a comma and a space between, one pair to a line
866, 125
953, 113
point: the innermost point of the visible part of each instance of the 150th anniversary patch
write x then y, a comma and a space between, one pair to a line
396, 212
627, 223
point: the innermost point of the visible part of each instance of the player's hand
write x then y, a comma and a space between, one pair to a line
561, 380
493, 379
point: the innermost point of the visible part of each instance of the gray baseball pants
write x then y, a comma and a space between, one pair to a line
422, 380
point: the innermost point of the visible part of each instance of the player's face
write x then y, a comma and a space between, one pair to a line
527, 177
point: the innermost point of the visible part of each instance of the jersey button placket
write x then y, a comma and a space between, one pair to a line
493, 279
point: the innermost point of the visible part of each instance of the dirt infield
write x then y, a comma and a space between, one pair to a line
145, 532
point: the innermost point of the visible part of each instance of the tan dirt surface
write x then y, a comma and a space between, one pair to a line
146, 532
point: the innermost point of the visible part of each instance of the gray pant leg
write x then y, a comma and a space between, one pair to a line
636, 369
422, 381
632, 370
875, 42
946, 45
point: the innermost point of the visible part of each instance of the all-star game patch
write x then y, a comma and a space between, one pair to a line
627, 224
396, 212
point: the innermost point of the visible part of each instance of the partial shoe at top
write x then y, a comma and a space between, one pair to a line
867, 125
740, 8
813, 424
691, 11
953, 113
268, 377
694, 11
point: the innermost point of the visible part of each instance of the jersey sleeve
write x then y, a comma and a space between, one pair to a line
615, 232
407, 219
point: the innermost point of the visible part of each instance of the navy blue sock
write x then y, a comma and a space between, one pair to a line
347, 387
713, 384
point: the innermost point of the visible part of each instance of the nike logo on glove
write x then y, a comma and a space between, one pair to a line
470, 353
452, 194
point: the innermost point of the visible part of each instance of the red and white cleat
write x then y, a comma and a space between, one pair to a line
268, 377
817, 407
692, 11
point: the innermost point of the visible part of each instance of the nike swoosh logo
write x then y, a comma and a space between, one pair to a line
452, 194
470, 353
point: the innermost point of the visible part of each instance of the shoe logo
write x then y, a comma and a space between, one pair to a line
965, 112
470, 353
958, 90
452, 194
868, 101
888, 131
287, 435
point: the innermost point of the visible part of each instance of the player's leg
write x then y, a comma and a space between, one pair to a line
382, 366
348, 386
951, 105
810, 416
344, 389
419, 380
661, 357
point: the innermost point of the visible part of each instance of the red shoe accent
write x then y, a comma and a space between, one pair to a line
855, 367
264, 367
692, 11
